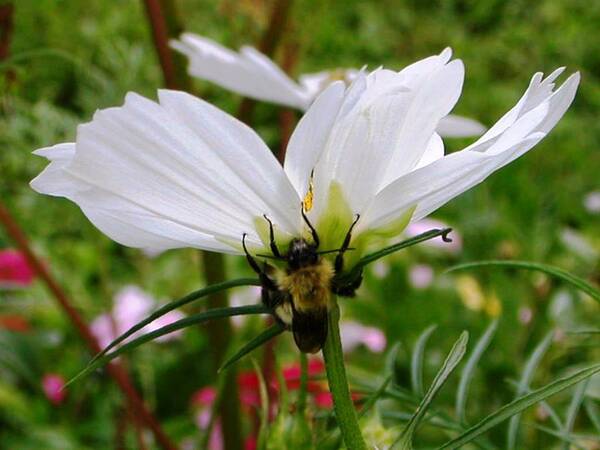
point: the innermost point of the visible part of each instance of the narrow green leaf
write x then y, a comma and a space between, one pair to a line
554, 417
368, 259
585, 332
264, 409
565, 438
17, 354
454, 357
391, 357
416, 363
553, 271
530, 366
574, 406
202, 317
468, 371
374, 397
519, 405
200, 293
257, 341
593, 414
433, 420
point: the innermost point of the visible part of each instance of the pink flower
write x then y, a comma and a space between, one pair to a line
203, 401
525, 315
247, 295
131, 305
381, 269
250, 443
14, 269
592, 202
52, 385
355, 334
248, 385
423, 225
323, 400
420, 276
204, 397
291, 375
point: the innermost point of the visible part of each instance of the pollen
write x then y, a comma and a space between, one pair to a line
307, 203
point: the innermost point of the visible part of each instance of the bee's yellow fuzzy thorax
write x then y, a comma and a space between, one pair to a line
309, 287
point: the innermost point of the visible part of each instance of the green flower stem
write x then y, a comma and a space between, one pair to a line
303, 382
345, 412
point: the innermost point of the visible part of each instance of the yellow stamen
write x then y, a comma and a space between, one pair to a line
307, 203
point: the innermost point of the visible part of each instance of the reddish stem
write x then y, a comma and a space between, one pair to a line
287, 116
6, 29
116, 372
267, 45
160, 36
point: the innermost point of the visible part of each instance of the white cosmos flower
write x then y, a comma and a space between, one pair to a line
253, 74
182, 173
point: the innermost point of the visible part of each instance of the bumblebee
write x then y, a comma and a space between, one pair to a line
299, 295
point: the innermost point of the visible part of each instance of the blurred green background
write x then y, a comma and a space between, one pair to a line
69, 58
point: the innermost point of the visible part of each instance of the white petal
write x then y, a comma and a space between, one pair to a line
457, 126
315, 83
435, 151
384, 127
430, 187
177, 175
53, 180
247, 72
433, 100
244, 154
310, 136
427, 65
433, 185
539, 90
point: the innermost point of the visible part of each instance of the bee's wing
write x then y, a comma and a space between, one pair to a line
310, 329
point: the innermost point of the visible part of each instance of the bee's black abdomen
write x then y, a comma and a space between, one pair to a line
310, 329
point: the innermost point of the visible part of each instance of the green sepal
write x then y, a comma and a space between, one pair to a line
335, 222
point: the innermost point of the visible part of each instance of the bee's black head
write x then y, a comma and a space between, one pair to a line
301, 254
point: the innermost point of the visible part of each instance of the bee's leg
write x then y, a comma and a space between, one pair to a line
315, 236
349, 289
272, 242
339, 259
262, 274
